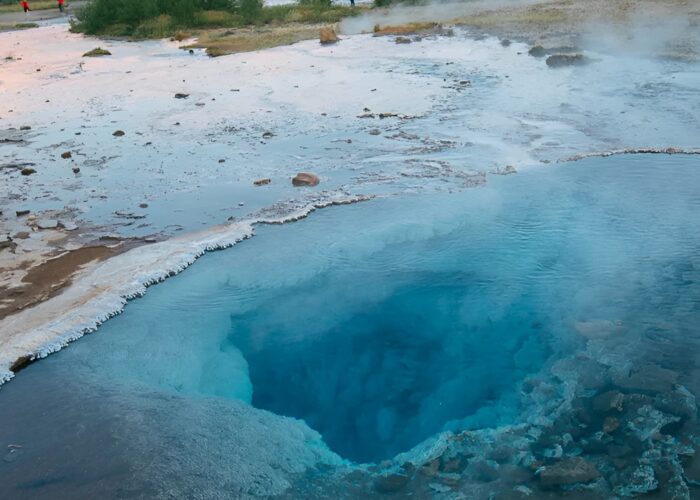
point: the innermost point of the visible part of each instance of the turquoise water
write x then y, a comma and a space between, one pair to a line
382, 323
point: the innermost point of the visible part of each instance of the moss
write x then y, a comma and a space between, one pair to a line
24, 26
97, 52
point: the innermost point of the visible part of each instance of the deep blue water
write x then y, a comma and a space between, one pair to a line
382, 323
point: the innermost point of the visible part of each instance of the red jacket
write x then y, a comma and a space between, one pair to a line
25, 4
60, 2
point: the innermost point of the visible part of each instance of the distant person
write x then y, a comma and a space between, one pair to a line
60, 5
352, 3
25, 6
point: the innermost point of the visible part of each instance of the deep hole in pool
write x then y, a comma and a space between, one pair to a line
381, 380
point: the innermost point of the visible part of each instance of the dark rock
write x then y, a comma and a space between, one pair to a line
20, 213
402, 40
180, 95
569, 471
25, 127
561, 60
375, 131
537, 51
505, 43
268, 135
76, 170
305, 179
262, 182
66, 155
27, 171
118, 133
22, 235
8, 243
143, 205
390, 483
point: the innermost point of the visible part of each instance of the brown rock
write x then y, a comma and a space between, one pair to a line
569, 471
66, 155
305, 179
402, 40
28, 171
262, 182
328, 36
118, 133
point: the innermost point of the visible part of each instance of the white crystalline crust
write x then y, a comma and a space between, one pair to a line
101, 291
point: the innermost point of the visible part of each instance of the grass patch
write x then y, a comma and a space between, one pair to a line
404, 29
255, 38
24, 26
97, 52
525, 17
34, 5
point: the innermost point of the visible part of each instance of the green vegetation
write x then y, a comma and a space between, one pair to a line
24, 26
97, 52
170, 18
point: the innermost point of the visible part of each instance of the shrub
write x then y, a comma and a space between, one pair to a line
250, 10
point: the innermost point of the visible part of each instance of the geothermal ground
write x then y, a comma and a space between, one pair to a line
556, 306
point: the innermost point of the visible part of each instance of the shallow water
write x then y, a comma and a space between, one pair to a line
378, 324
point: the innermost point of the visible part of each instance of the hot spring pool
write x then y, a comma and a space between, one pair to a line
379, 325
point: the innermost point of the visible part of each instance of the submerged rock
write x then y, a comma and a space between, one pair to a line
262, 182
569, 471
561, 60
390, 483
180, 95
118, 133
28, 171
328, 36
402, 40
305, 179
537, 51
